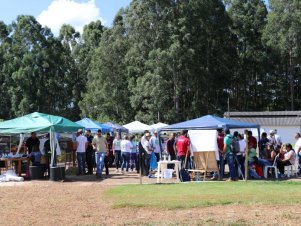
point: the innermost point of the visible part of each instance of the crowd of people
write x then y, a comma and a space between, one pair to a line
104, 151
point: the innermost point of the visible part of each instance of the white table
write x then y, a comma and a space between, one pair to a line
163, 165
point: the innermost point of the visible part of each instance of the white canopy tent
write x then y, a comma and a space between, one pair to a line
158, 125
137, 127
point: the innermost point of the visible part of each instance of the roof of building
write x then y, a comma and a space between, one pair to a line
268, 118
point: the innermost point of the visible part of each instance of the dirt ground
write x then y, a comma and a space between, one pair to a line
81, 201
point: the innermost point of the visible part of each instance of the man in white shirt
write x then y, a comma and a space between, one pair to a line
82, 144
100, 146
277, 138
126, 147
147, 156
156, 145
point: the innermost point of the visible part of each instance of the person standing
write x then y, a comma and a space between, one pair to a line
90, 152
82, 144
32, 141
263, 146
110, 148
221, 162
170, 146
147, 155
134, 157
117, 151
277, 138
298, 147
126, 147
183, 148
227, 150
156, 145
100, 146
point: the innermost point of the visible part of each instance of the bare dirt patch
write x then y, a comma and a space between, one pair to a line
84, 203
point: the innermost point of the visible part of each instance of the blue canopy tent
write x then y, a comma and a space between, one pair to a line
209, 122
94, 126
117, 127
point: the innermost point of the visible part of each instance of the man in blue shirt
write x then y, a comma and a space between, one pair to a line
230, 155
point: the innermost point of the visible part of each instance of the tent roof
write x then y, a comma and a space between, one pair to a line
209, 122
117, 127
94, 126
137, 127
38, 122
158, 125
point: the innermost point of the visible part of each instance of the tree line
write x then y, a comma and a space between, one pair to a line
162, 60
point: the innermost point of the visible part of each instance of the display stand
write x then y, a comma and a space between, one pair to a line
204, 162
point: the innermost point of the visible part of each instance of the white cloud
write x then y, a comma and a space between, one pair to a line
77, 14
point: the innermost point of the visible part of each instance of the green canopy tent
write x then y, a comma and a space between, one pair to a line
39, 122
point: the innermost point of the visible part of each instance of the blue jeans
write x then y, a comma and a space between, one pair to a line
240, 164
117, 158
99, 159
231, 164
81, 160
134, 161
125, 160
221, 166
264, 162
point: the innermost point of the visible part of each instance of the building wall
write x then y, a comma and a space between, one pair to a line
287, 133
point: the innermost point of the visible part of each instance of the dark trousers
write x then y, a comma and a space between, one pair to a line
134, 161
182, 160
157, 156
117, 159
90, 159
281, 164
240, 163
146, 165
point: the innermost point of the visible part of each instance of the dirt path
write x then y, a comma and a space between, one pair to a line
82, 202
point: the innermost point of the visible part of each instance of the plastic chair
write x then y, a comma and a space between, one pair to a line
274, 166
292, 169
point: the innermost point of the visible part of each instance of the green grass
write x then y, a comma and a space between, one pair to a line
191, 195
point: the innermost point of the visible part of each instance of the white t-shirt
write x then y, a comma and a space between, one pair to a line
293, 157
81, 140
155, 144
126, 146
242, 146
297, 146
146, 144
117, 144
278, 139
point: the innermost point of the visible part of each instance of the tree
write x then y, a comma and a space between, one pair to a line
107, 96
283, 35
250, 90
42, 76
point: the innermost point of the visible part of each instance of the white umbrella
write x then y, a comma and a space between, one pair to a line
137, 127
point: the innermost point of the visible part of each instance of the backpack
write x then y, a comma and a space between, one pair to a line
235, 146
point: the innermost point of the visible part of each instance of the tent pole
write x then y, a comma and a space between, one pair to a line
246, 156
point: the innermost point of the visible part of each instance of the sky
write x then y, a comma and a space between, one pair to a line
55, 13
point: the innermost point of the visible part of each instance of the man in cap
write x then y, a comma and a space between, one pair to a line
228, 151
82, 144
148, 151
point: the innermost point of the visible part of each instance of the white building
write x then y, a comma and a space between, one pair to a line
287, 123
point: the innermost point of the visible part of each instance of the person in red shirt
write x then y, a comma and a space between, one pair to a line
252, 141
182, 147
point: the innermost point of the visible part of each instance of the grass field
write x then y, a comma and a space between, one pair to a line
191, 195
